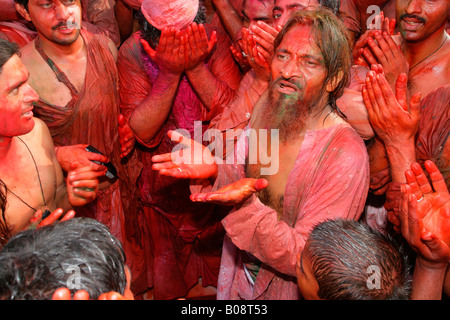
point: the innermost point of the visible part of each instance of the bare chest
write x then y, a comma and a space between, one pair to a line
50, 89
282, 160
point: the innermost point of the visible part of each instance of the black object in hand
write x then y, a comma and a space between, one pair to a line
112, 172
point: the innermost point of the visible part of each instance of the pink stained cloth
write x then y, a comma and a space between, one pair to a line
174, 13
182, 239
330, 179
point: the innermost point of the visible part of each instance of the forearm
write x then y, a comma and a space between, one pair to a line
230, 18
401, 155
427, 282
204, 83
147, 119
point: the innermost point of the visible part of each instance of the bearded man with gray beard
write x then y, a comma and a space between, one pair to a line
323, 168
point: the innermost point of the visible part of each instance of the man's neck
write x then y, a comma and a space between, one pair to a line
415, 52
5, 146
59, 52
322, 117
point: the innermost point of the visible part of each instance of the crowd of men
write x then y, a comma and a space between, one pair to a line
151, 122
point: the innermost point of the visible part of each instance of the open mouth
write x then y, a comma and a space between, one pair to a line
411, 23
28, 113
287, 87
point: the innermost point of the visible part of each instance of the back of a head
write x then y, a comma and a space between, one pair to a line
353, 262
7, 50
79, 253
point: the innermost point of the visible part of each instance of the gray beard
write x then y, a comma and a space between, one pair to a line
288, 114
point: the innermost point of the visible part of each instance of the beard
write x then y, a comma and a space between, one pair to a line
288, 112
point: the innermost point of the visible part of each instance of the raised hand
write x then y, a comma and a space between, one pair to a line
361, 51
433, 205
198, 46
389, 113
192, 161
127, 138
232, 194
425, 221
169, 54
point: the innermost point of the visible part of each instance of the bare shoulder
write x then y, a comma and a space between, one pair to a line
40, 136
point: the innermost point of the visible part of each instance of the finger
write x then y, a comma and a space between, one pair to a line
148, 49
421, 178
161, 158
267, 29
369, 56
372, 94
93, 156
261, 184
69, 215
379, 93
164, 165
62, 294
37, 217
175, 173
121, 120
436, 177
404, 211
401, 90
387, 92
53, 217
203, 37
165, 40
367, 101
81, 295
394, 48
380, 48
262, 42
87, 195
212, 41
415, 225
177, 137
414, 105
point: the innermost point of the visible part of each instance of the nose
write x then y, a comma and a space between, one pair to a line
30, 95
62, 12
414, 6
282, 20
290, 69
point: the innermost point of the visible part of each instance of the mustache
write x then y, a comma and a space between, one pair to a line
412, 16
67, 23
292, 80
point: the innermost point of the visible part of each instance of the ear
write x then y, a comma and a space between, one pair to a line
333, 83
23, 12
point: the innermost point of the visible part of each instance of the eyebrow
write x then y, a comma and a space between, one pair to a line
290, 6
17, 85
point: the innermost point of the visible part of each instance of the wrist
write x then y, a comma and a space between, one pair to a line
434, 267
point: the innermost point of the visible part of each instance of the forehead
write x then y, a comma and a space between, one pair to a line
298, 39
36, 2
295, 3
13, 72
257, 4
